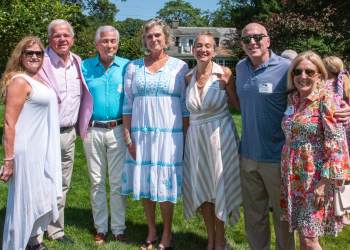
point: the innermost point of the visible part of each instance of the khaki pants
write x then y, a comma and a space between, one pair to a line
105, 152
56, 230
261, 182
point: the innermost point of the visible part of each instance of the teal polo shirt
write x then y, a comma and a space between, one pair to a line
106, 87
262, 95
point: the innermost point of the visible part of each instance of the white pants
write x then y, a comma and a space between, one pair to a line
67, 138
105, 151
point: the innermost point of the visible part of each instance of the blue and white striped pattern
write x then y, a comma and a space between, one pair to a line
211, 169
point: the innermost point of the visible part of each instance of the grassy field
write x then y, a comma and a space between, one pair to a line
187, 234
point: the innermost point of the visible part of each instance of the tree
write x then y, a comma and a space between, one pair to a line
184, 12
102, 10
237, 13
19, 18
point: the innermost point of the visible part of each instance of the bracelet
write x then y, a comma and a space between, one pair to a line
10, 158
128, 141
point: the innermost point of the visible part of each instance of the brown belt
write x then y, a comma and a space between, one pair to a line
65, 129
106, 125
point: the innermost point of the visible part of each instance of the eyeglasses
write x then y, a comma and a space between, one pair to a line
308, 72
257, 38
31, 53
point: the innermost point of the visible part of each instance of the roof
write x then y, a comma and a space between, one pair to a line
194, 31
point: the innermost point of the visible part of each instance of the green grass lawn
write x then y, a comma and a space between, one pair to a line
187, 234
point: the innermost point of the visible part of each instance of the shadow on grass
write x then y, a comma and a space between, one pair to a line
2, 221
137, 233
81, 218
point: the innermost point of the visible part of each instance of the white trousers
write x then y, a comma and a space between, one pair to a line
105, 152
67, 138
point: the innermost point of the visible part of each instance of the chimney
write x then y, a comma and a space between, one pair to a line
175, 23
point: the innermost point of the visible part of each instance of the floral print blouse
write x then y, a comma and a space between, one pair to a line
315, 147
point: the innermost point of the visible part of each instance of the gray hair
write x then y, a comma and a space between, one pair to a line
289, 54
106, 28
57, 22
152, 23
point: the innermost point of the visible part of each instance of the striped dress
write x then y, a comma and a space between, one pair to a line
211, 164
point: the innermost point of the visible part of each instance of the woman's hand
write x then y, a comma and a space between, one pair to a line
319, 193
343, 114
132, 150
7, 171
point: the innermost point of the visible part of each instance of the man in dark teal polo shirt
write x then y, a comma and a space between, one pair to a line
104, 146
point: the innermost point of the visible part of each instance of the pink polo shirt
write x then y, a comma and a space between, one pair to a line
69, 84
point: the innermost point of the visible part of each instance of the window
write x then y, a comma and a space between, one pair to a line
177, 41
217, 41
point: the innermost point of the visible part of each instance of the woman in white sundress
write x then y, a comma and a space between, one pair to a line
211, 168
153, 112
32, 156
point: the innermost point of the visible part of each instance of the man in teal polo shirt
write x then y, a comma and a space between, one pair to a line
104, 146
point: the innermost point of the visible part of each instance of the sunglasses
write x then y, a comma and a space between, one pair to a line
257, 38
31, 53
308, 72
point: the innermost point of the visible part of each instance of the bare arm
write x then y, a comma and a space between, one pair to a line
230, 88
16, 94
127, 135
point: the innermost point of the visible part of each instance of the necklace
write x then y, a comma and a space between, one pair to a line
202, 79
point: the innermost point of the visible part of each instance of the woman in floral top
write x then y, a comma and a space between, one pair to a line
315, 153
338, 82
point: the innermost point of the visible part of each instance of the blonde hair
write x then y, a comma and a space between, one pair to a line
14, 64
312, 57
208, 34
152, 23
335, 66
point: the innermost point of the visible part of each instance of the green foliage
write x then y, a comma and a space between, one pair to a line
322, 26
103, 11
19, 18
184, 12
237, 13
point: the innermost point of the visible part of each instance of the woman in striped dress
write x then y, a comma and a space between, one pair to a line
211, 170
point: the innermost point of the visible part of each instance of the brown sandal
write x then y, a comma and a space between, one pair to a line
148, 245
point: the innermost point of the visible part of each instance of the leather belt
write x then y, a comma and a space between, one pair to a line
65, 129
107, 125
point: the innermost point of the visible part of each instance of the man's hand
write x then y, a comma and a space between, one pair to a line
343, 114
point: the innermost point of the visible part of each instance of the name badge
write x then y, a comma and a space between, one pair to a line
289, 111
120, 88
265, 88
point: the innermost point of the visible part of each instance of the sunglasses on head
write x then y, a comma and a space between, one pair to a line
308, 72
31, 53
257, 38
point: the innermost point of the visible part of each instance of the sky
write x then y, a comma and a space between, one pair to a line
146, 9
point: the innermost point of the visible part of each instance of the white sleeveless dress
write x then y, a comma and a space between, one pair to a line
36, 183
211, 164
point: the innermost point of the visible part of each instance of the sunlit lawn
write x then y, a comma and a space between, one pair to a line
187, 234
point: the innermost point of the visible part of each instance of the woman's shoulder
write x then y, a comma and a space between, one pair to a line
176, 61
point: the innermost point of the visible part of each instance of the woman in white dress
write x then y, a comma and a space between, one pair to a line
153, 112
211, 169
31, 149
